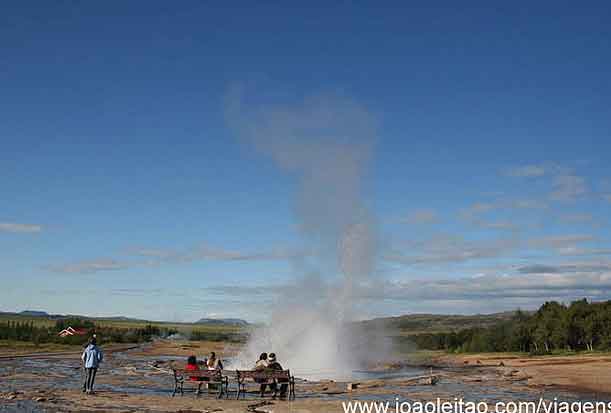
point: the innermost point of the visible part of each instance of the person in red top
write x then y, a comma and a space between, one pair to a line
194, 367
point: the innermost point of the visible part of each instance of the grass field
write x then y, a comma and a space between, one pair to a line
42, 338
15, 348
38, 321
399, 328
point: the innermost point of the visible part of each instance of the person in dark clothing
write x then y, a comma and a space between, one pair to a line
274, 365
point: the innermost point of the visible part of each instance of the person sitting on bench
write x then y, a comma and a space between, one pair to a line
214, 363
261, 364
194, 367
274, 365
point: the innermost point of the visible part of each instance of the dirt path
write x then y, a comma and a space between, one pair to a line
138, 380
590, 372
75, 401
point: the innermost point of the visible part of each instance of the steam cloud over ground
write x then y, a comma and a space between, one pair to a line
325, 143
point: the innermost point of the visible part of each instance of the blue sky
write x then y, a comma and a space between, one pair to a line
128, 190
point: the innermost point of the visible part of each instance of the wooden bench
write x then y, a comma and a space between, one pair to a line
204, 376
273, 377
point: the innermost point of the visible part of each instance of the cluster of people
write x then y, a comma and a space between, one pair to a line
269, 362
211, 363
92, 357
265, 362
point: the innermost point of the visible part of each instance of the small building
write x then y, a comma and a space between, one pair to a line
67, 332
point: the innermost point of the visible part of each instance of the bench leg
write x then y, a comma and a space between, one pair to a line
219, 394
292, 390
177, 387
225, 383
241, 388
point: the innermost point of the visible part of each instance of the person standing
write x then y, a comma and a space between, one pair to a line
91, 358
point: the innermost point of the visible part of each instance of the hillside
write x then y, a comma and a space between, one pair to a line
223, 321
30, 314
396, 326
434, 323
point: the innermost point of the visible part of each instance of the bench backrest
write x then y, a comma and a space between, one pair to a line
212, 374
263, 374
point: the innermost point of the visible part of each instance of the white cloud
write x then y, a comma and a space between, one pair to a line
206, 252
568, 188
576, 251
565, 268
450, 250
529, 204
576, 218
566, 185
89, 267
477, 209
531, 286
568, 245
497, 225
526, 171
559, 241
541, 286
158, 256
154, 253
21, 228
421, 216
474, 211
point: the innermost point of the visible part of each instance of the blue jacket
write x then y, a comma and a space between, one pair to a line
92, 356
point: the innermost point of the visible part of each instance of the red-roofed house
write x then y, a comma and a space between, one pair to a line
72, 332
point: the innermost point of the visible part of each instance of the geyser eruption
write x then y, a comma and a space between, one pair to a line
325, 143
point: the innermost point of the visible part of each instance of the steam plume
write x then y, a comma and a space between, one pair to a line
325, 143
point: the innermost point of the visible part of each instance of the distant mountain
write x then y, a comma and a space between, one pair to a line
219, 321
33, 313
117, 318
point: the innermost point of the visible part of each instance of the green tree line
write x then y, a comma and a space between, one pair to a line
580, 326
231, 337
